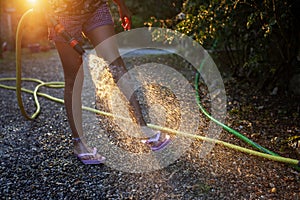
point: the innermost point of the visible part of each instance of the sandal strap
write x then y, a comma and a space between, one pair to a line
76, 139
155, 138
88, 154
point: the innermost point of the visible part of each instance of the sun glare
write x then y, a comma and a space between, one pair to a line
32, 1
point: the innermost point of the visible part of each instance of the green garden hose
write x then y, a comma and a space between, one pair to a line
281, 159
225, 127
267, 154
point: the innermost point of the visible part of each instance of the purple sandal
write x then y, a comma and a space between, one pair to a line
155, 143
93, 154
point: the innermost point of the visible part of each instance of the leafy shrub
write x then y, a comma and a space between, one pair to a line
258, 40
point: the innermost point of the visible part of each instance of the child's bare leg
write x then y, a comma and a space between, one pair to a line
108, 50
73, 74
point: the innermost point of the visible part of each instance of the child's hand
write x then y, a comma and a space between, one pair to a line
126, 23
125, 15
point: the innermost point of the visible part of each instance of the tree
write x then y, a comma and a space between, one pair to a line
258, 38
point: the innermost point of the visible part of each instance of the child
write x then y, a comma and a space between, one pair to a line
93, 18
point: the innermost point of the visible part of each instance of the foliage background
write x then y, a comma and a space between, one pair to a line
258, 41
255, 41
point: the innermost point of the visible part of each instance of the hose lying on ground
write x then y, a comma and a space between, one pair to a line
35, 92
265, 152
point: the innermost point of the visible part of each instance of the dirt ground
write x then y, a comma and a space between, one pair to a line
37, 161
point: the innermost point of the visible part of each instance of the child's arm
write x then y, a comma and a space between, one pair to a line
125, 14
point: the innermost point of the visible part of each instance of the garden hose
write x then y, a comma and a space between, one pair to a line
281, 159
59, 29
19, 35
267, 154
225, 127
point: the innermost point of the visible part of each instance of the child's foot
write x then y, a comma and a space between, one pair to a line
158, 141
86, 155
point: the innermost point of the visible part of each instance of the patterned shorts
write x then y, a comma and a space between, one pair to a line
77, 25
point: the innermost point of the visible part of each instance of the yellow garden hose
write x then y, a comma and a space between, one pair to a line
285, 160
19, 36
18, 88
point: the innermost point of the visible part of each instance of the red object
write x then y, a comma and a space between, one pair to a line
126, 24
73, 43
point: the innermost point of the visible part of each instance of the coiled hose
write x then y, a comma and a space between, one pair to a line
267, 154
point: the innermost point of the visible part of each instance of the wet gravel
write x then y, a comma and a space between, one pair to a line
37, 160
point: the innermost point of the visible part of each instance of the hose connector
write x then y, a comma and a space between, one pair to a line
59, 29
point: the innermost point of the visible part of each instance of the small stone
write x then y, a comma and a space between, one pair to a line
273, 190
260, 107
275, 91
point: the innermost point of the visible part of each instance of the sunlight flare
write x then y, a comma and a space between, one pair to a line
32, 1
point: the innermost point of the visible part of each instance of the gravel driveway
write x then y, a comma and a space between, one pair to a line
37, 160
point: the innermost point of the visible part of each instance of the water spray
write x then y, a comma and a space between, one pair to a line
77, 47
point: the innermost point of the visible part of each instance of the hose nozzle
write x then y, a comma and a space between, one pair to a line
71, 40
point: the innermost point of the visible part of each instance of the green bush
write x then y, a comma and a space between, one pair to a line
257, 39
